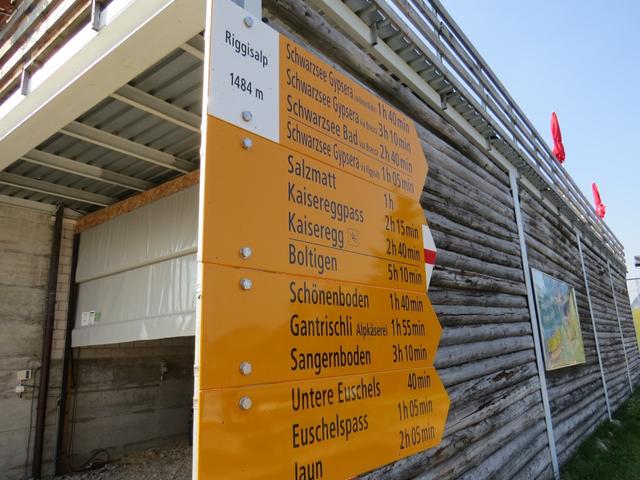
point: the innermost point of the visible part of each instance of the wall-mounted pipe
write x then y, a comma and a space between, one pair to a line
62, 462
47, 340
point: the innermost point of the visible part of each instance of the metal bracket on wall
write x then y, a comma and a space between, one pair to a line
624, 348
25, 77
254, 7
593, 323
515, 192
374, 34
97, 6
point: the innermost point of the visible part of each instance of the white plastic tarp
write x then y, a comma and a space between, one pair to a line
158, 231
137, 274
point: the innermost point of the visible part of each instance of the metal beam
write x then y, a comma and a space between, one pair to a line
148, 103
195, 47
85, 170
624, 348
39, 206
193, 51
61, 191
128, 147
515, 192
593, 323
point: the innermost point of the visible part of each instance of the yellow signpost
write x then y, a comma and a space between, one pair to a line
318, 220
636, 323
325, 114
296, 328
332, 428
316, 338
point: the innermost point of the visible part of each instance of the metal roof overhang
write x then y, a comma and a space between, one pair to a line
117, 109
114, 112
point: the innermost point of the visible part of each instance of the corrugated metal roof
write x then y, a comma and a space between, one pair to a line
176, 80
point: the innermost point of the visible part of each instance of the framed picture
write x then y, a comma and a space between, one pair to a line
635, 310
559, 322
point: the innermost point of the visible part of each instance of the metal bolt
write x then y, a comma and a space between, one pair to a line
246, 252
247, 143
245, 403
248, 21
246, 284
246, 368
247, 116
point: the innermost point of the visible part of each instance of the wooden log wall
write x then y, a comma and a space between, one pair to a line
618, 273
496, 426
609, 335
576, 393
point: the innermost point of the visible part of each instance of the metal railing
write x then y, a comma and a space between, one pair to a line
425, 36
33, 33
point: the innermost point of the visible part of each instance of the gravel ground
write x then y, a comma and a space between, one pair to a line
172, 462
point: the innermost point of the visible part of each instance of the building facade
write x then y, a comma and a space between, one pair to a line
100, 114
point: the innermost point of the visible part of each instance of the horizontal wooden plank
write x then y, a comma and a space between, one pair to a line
120, 208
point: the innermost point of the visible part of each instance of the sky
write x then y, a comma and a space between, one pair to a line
580, 59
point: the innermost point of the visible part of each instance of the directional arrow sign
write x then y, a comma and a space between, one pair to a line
333, 428
320, 221
268, 85
321, 328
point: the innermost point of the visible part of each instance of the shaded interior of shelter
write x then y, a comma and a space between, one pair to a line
146, 407
177, 81
134, 395
128, 397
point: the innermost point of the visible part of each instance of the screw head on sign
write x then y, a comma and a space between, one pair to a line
246, 252
246, 368
248, 21
245, 403
247, 143
247, 116
246, 284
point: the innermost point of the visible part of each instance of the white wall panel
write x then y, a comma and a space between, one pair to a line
137, 274
164, 229
151, 302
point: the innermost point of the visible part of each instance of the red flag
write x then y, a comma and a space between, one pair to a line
600, 207
558, 148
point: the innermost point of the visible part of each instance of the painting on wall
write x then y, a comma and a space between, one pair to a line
635, 308
559, 322
633, 287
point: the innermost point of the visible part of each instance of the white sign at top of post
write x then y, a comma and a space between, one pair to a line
245, 63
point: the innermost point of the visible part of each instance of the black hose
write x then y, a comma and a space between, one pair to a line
91, 464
